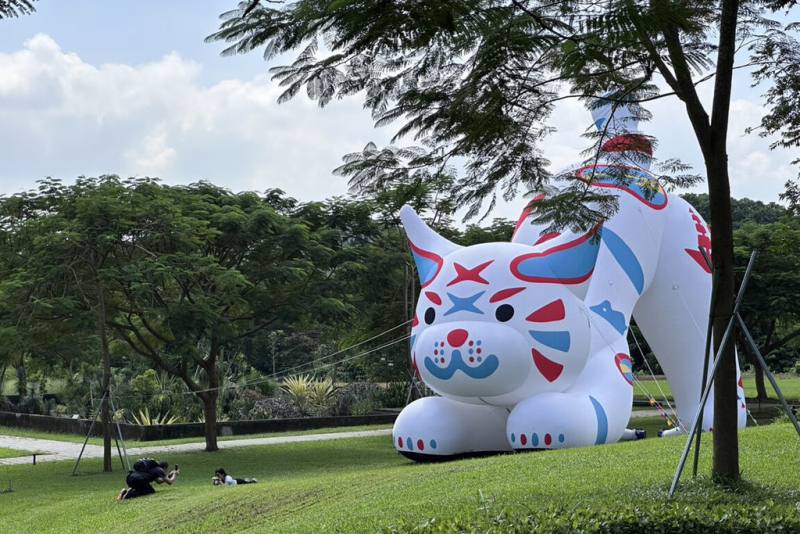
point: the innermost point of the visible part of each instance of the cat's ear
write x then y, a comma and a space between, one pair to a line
428, 247
565, 262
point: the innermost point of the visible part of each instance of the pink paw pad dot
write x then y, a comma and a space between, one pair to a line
410, 444
547, 439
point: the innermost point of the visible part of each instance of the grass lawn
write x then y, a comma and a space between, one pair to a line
364, 485
651, 424
74, 438
12, 453
788, 382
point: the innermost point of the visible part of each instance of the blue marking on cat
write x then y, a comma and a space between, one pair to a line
614, 317
558, 340
466, 304
626, 258
602, 421
426, 267
484, 370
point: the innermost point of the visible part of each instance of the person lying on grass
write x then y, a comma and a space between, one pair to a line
145, 472
221, 478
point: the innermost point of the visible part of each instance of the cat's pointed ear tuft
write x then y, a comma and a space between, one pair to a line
428, 247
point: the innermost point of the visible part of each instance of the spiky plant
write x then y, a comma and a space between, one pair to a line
321, 395
298, 388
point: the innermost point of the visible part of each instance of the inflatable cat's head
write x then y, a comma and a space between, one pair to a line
497, 322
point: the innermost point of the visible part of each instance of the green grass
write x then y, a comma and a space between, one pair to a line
74, 438
788, 382
12, 453
364, 485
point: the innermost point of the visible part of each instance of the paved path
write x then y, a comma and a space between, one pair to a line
649, 412
63, 450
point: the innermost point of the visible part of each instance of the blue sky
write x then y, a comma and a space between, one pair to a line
129, 87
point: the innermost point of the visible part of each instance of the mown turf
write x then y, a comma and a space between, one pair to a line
11, 453
788, 382
364, 485
74, 438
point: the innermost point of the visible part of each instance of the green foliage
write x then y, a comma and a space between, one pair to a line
394, 395
744, 210
298, 388
363, 407
478, 80
321, 396
145, 419
769, 308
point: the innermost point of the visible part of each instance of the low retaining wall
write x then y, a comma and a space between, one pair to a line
65, 425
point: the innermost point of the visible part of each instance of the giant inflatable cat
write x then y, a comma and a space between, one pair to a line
525, 342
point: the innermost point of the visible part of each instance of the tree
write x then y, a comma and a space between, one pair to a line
65, 238
477, 80
770, 308
15, 8
206, 270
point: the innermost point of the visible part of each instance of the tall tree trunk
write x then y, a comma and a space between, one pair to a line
106, 411
210, 415
210, 404
22, 378
726, 433
761, 388
726, 437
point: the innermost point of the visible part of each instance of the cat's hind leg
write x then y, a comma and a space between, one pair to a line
673, 314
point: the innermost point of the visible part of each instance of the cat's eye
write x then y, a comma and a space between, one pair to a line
430, 315
504, 312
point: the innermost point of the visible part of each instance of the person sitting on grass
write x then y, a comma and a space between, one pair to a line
221, 478
145, 472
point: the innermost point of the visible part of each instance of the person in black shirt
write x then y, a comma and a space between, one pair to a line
144, 473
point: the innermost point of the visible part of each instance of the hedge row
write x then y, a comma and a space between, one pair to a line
624, 518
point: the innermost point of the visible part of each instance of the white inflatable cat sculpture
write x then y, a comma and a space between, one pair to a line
525, 342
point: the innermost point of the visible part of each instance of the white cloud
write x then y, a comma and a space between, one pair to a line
64, 117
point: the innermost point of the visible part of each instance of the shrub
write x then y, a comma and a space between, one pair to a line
354, 392
797, 367
394, 395
243, 403
363, 407
321, 396
273, 408
636, 518
145, 419
298, 388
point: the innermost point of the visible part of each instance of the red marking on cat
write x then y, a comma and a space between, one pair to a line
504, 294
433, 297
547, 237
549, 313
464, 274
550, 370
703, 242
457, 337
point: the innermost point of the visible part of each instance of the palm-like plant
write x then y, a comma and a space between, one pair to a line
15, 8
298, 388
145, 419
321, 395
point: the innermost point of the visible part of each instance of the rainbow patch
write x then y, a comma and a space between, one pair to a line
625, 366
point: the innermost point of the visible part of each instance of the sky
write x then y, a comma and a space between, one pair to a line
130, 88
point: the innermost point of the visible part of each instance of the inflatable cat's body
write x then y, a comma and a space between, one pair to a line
525, 342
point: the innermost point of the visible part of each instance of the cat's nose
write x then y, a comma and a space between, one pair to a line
457, 337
